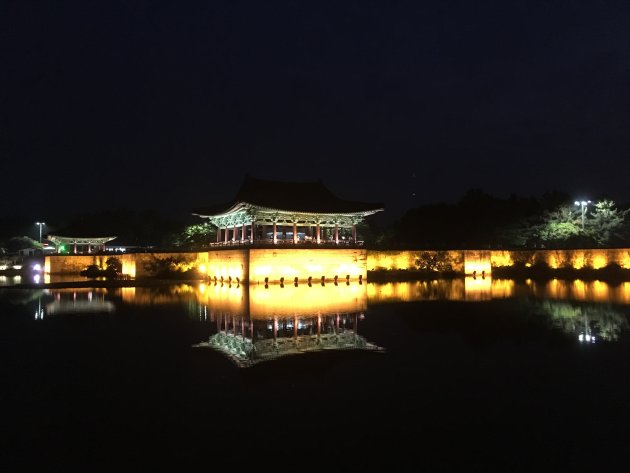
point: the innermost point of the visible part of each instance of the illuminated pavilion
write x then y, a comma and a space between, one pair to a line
80, 245
265, 211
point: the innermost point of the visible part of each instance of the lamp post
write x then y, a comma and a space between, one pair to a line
583, 204
41, 224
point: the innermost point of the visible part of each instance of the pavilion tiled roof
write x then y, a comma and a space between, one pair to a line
311, 196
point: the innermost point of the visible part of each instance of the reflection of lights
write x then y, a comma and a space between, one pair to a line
586, 338
39, 313
37, 267
36, 278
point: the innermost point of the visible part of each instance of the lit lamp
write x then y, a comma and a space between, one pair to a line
583, 204
41, 224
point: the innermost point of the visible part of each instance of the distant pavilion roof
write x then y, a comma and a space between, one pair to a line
80, 240
309, 197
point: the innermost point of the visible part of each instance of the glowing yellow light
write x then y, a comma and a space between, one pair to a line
600, 260
129, 267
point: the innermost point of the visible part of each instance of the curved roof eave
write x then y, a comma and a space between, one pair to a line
247, 206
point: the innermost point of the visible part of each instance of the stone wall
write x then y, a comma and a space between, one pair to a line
593, 258
254, 265
133, 264
289, 263
407, 259
226, 264
485, 260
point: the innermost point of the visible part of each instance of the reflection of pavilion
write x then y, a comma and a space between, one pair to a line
79, 301
256, 324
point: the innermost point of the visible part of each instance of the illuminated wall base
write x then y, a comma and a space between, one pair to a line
285, 264
477, 262
260, 266
242, 265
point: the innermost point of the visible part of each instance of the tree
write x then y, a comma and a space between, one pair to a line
16, 244
605, 222
559, 226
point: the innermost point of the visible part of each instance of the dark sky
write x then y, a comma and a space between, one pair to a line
167, 105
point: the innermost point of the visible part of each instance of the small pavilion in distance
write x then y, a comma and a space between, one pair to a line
80, 245
278, 212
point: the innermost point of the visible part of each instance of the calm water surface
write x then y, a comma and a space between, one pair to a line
453, 375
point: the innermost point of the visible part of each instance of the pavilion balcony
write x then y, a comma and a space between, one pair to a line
286, 243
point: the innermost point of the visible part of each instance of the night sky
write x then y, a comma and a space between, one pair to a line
166, 105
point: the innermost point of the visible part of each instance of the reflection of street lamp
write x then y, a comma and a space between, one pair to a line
583, 204
586, 335
41, 224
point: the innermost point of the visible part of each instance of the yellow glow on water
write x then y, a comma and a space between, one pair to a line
203, 269
623, 293
601, 291
291, 300
478, 289
260, 302
587, 291
578, 289
128, 294
503, 288
469, 289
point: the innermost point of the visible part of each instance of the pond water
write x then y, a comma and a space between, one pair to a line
448, 375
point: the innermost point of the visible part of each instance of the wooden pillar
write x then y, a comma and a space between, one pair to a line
74, 249
274, 238
318, 232
253, 231
295, 238
354, 234
235, 233
218, 234
226, 234
336, 234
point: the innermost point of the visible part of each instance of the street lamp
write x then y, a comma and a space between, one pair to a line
41, 224
583, 204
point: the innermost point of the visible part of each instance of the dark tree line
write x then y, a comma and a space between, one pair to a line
479, 220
